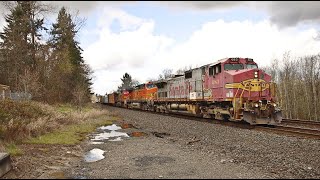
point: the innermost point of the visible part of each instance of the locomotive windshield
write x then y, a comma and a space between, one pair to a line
150, 86
251, 66
233, 66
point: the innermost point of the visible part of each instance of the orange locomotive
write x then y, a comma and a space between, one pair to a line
139, 97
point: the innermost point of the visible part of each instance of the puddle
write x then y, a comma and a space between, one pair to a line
112, 127
108, 133
138, 134
94, 155
126, 126
96, 142
116, 139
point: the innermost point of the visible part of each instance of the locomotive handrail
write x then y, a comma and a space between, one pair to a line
234, 102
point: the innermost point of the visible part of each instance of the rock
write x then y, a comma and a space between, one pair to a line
5, 163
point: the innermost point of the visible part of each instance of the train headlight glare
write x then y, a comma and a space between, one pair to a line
256, 73
275, 105
256, 105
256, 76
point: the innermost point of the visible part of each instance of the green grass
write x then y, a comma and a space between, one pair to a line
13, 150
71, 134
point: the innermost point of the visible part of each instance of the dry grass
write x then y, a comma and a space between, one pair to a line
27, 119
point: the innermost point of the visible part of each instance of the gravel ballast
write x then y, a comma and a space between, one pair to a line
275, 156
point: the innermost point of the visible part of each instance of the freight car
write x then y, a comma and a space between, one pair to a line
113, 98
233, 89
104, 99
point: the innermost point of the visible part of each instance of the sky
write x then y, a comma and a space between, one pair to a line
143, 38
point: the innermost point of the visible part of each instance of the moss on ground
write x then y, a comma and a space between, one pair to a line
70, 135
13, 150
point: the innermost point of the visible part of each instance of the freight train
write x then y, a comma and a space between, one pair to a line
230, 89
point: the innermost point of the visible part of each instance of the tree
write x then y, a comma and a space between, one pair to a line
22, 34
69, 72
298, 82
182, 70
166, 73
127, 82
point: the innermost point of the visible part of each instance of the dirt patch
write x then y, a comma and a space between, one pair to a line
126, 125
44, 161
137, 134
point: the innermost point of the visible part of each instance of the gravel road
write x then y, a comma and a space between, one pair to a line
182, 148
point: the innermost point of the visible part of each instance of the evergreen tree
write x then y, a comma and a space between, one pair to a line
126, 82
69, 72
19, 46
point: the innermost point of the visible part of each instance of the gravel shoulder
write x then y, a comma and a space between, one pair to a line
175, 148
273, 155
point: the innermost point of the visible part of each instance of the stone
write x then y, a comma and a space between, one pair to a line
5, 163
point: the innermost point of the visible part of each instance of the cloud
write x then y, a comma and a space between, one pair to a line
291, 13
85, 7
261, 41
282, 13
130, 50
132, 46
138, 50
202, 5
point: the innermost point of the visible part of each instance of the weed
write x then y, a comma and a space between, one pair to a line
13, 150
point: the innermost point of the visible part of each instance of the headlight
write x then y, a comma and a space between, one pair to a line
274, 104
256, 105
256, 76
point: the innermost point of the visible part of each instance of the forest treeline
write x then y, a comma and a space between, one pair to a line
40, 59
298, 85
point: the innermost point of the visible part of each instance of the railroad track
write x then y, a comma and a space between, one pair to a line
296, 127
303, 123
301, 128
292, 131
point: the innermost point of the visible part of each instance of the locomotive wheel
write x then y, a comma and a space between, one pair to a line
225, 117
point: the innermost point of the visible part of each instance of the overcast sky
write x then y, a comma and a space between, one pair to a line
143, 38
